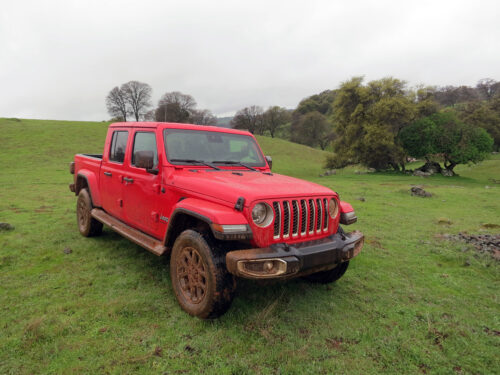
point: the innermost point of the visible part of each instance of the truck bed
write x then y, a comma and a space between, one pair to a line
88, 164
95, 156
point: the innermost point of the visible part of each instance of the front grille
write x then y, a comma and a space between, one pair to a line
304, 217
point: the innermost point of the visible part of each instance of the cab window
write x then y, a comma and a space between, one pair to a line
118, 146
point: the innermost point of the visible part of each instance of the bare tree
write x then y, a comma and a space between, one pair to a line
203, 117
249, 118
274, 118
149, 115
116, 104
488, 88
175, 107
138, 97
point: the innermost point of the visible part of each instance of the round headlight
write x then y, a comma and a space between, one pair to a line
262, 214
333, 208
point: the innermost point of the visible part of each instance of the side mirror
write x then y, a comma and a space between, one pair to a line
145, 159
269, 161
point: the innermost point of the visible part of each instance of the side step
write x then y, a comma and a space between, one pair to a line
134, 235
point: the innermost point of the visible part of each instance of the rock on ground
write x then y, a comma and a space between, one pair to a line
329, 172
447, 173
6, 226
421, 174
419, 191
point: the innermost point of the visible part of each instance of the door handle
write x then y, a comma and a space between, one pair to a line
129, 180
109, 174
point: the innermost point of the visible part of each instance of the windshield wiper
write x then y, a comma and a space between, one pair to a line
195, 161
235, 163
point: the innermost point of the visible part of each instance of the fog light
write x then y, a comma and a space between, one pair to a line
263, 267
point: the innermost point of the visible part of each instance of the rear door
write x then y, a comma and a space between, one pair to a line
111, 173
141, 189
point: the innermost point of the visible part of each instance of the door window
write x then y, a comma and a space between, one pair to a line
145, 141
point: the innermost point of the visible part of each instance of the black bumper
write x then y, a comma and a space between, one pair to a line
286, 261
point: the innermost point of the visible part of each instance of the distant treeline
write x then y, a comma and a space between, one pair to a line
379, 124
383, 122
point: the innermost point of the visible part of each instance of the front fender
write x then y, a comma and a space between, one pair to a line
347, 214
208, 212
345, 207
211, 212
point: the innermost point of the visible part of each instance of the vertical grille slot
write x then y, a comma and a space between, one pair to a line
312, 210
302, 217
319, 216
303, 221
325, 205
295, 220
286, 218
277, 219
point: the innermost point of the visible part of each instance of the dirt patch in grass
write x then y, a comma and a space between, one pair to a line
43, 209
490, 226
375, 242
484, 243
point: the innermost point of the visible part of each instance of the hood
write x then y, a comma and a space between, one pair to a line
229, 185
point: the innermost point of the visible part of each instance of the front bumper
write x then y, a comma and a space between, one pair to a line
280, 261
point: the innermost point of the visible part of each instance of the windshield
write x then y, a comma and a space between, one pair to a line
185, 146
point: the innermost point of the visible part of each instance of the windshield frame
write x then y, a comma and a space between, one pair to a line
250, 138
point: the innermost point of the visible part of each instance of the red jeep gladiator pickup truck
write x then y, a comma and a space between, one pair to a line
207, 196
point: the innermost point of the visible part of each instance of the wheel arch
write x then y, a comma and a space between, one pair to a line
87, 180
182, 219
200, 214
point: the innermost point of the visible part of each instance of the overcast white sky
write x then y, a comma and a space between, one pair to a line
59, 59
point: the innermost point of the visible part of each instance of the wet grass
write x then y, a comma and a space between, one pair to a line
410, 303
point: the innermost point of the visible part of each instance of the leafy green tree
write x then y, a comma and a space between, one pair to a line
424, 97
485, 115
274, 118
321, 103
444, 134
368, 119
312, 129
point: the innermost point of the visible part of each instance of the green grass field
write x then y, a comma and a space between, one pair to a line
410, 303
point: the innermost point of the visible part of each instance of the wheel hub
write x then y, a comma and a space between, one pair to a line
191, 275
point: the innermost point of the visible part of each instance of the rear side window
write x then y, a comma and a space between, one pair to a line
145, 141
118, 146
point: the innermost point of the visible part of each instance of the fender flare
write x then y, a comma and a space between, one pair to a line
92, 185
207, 212
345, 207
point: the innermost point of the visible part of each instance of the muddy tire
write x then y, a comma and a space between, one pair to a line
87, 225
200, 280
326, 277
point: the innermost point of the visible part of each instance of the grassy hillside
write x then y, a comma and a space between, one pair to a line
293, 159
410, 303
